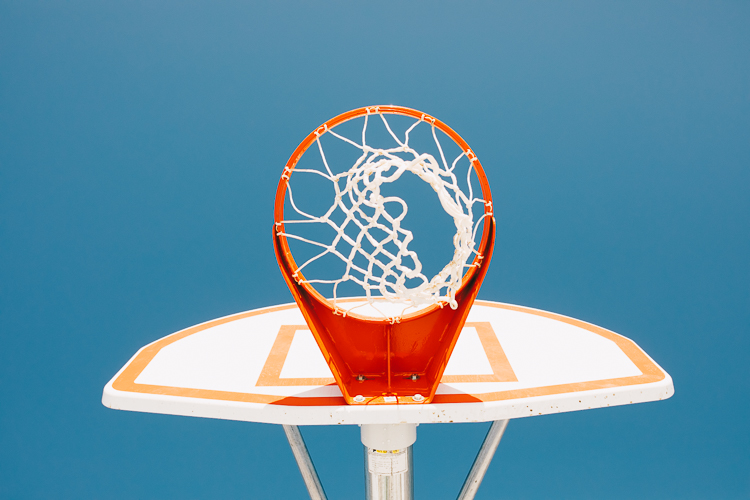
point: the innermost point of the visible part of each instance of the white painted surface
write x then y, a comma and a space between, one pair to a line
468, 356
305, 359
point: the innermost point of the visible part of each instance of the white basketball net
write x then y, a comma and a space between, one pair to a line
358, 188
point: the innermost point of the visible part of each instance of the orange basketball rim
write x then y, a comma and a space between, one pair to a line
385, 360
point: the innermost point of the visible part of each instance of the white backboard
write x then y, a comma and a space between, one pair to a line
264, 366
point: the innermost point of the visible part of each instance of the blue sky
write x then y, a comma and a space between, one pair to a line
140, 147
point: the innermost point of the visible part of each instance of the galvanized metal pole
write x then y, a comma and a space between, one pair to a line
389, 467
482, 462
393, 484
306, 467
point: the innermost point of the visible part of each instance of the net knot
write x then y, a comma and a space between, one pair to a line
428, 118
321, 130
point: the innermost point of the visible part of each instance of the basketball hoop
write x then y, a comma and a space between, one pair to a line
379, 354
391, 345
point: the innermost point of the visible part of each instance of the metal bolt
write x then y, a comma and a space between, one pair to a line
359, 398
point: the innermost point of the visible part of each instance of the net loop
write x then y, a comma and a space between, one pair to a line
321, 130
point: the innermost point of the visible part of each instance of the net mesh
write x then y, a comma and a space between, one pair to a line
370, 240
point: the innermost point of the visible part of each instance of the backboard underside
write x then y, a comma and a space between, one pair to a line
264, 366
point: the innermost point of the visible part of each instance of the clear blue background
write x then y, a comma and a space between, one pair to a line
140, 147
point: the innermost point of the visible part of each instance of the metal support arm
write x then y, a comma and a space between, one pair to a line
468, 491
482, 462
306, 467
